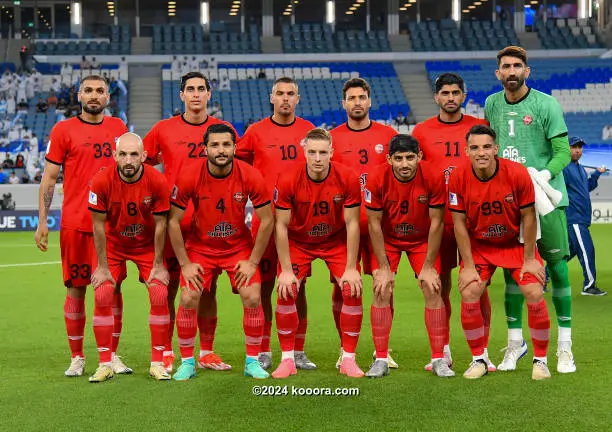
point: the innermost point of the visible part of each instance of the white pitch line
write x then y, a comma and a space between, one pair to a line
29, 264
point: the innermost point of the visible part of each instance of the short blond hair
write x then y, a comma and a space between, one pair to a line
319, 134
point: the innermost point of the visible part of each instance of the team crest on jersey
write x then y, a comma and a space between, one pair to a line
495, 230
132, 230
147, 201
447, 173
509, 198
527, 120
303, 142
379, 148
320, 230
405, 229
223, 230
338, 198
423, 199
239, 197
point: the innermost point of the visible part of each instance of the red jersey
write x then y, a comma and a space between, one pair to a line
82, 148
317, 207
443, 145
361, 151
405, 221
273, 147
492, 207
219, 206
130, 207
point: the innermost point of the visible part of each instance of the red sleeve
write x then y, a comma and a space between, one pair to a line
352, 190
437, 187
258, 192
184, 189
373, 192
525, 188
283, 194
57, 147
455, 192
151, 146
244, 147
161, 203
98, 191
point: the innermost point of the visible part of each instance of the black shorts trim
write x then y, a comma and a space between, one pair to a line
179, 206
262, 205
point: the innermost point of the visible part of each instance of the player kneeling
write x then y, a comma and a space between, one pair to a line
219, 240
317, 216
405, 203
492, 201
129, 203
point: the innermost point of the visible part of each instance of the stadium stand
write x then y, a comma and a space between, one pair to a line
319, 38
320, 90
190, 39
445, 35
113, 41
568, 33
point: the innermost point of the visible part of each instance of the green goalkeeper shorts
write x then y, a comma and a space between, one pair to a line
554, 244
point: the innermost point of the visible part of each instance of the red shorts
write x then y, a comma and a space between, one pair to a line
416, 258
143, 258
213, 265
302, 256
79, 258
448, 249
487, 258
366, 254
269, 260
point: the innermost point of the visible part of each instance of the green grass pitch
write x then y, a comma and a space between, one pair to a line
34, 394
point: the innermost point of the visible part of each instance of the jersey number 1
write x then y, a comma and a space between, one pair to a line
511, 128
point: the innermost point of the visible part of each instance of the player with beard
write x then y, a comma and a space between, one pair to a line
531, 130
177, 142
442, 141
274, 145
219, 240
129, 204
81, 145
360, 144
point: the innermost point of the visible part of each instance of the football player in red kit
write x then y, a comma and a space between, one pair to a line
129, 204
442, 141
317, 216
80, 146
494, 218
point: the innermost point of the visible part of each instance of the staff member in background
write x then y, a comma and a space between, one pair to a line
579, 184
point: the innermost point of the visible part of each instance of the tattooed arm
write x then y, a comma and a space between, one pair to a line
45, 197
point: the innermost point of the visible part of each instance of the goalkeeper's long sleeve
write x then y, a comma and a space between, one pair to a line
561, 155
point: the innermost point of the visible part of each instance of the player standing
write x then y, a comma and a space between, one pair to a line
492, 201
129, 204
220, 240
442, 141
405, 202
531, 130
81, 146
360, 144
178, 143
274, 145
317, 216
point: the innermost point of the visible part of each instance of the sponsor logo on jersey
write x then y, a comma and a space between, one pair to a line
379, 148
527, 120
239, 197
132, 230
174, 192
495, 230
363, 178
147, 201
338, 198
452, 199
513, 154
512, 113
422, 199
405, 229
222, 230
303, 142
93, 198
320, 230
509, 198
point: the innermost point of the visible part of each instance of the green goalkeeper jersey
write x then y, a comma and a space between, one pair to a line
525, 129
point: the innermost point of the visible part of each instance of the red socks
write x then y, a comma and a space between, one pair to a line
300, 337
473, 327
103, 321
435, 323
485, 308
351, 316
381, 319
287, 323
207, 327
74, 317
118, 319
337, 307
252, 323
265, 340
539, 327
159, 319
186, 328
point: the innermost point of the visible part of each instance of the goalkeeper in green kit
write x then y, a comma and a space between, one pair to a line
531, 130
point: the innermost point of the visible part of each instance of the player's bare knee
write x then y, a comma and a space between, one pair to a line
472, 292
250, 296
189, 298
533, 292
432, 300
77, 292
